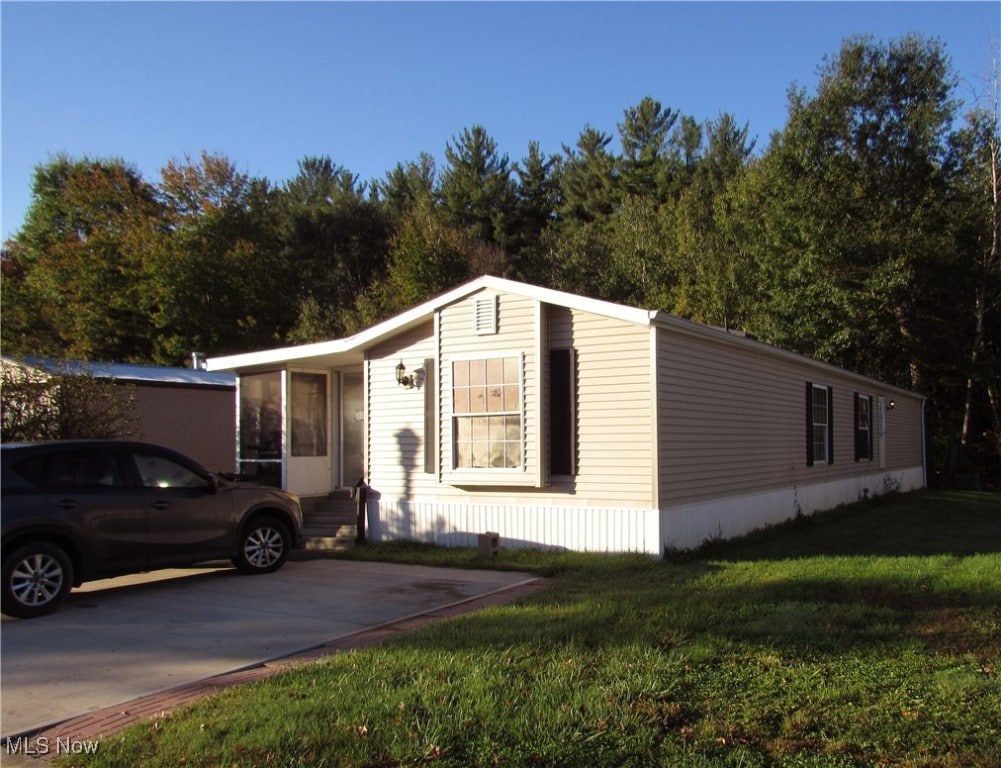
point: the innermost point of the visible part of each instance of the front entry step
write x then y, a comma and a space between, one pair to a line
327, 540
330, 522
328, 511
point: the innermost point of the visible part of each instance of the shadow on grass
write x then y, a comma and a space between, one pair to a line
923, 523
791, 609
909, 569
822, 643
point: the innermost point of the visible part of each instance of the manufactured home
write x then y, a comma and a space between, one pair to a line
561, 421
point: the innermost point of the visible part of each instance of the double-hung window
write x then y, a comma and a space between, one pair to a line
819, 425
487, 413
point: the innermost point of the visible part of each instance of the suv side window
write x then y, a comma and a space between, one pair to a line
91, 469
162, 472
34, 470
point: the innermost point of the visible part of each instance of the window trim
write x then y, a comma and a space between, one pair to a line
430, 416
811, 425
867, 453
456, 475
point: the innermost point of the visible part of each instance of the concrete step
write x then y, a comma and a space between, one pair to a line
330, 539
327, 512
328, 522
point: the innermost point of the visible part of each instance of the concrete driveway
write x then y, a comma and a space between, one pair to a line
118, 639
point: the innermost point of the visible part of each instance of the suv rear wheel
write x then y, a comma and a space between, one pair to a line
263, 546
37, 576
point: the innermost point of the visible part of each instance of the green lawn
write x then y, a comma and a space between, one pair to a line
870, 636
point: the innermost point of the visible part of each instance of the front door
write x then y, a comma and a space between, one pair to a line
352, 429
309, 465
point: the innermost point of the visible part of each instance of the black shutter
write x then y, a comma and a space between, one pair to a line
561, 408
809, 424
830, 425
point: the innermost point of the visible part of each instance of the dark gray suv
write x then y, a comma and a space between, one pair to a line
78, 510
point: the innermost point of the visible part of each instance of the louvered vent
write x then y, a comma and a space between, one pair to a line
485, 315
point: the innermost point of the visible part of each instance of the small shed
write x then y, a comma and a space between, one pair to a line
187, 409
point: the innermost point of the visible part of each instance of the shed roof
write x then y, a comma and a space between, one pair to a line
148, 374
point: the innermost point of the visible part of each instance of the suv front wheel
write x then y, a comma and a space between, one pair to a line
36, 578
263, 546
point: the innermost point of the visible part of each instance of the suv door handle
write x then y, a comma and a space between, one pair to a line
67, 504
160, 504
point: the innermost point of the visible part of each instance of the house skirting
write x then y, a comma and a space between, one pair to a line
620, 529
457, 524
689, 525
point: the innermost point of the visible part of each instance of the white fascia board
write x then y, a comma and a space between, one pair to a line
422, 313
304, 352
276, 356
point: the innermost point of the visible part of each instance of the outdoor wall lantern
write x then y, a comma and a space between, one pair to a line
409, 380
892, 405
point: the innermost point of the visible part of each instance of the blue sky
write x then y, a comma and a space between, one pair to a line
373, 84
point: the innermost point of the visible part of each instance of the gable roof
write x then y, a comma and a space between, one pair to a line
351, 348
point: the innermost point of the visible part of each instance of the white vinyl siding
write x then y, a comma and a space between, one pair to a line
904, 429
608, 505
732, 420
395, 416
521, 522
614, 407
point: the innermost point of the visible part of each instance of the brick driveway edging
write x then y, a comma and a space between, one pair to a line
105, 722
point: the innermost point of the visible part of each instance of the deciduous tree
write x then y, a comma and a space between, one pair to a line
74, 278
223, 282
855, 242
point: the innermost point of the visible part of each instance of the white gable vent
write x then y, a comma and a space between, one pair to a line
485, 315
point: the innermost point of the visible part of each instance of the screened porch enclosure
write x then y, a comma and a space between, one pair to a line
300, 430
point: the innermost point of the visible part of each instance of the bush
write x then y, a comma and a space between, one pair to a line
35, 405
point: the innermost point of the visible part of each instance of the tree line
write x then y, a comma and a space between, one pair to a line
864, 234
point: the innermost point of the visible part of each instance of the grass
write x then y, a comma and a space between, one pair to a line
870, 636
